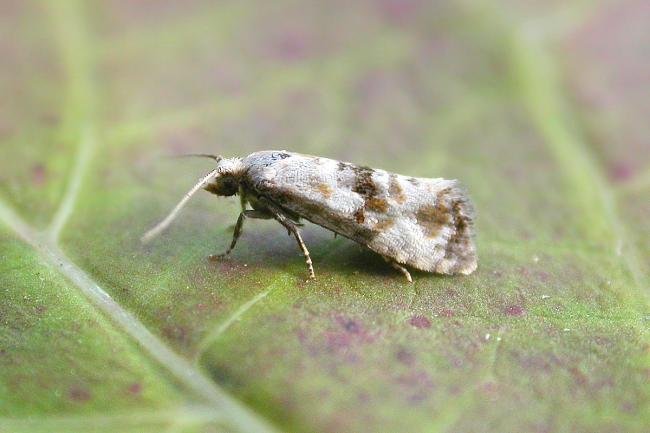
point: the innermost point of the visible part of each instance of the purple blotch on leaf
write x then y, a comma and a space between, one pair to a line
420, 322
514, 310
77, 393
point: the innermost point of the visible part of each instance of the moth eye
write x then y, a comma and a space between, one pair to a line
227, 186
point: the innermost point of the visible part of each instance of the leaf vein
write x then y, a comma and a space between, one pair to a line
183, 370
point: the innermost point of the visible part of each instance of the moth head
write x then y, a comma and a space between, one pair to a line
226, 182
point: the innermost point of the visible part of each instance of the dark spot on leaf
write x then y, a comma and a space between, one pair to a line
363, 397
621, 172
351, 333
352, 326
514, 310
490, 389
293, 46
338, 341
544, 362
603, 341
39, 174
228, 267
79, 394
418, 385
420, 322
579, 377
177, 333
405, 357
222, 375
135, 388
629, 407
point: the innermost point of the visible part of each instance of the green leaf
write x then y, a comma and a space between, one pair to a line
99, 333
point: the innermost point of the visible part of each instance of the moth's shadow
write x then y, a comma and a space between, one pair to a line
349, 258
270, 247
346, 256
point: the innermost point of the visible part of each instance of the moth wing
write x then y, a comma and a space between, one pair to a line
423, 223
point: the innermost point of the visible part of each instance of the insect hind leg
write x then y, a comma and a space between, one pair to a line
400, 268
292, 228
305, 251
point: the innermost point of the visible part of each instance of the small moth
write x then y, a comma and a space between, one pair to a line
423, 223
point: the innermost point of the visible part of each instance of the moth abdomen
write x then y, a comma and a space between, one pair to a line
460, 250
428, 225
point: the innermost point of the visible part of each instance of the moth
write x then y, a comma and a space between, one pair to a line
426, 224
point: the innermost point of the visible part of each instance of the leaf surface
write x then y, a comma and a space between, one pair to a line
100, 333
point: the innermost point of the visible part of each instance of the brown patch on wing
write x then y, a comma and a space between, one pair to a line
395, 191
363, 183
366, 187
325, 190
378, 205
384, 225
461, 228
359, 216
460, 252
462, 221
434, 218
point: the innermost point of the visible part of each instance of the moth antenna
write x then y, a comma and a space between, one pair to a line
199, 155
162, 225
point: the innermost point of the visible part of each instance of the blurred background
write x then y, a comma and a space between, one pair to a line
540, 108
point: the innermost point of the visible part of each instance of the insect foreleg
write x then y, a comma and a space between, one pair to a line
253, 214
242, 198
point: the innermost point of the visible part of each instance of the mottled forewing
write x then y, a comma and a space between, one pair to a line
424, 223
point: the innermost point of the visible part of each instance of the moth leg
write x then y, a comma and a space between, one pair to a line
400, 268
291, 227
242, 199
305, 251
253, 214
